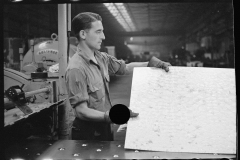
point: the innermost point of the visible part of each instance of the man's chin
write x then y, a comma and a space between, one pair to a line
96, 48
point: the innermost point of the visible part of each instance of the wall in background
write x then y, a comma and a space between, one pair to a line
26, 20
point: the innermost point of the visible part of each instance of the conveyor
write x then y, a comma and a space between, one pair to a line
72, 149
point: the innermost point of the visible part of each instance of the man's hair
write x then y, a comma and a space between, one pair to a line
84, 21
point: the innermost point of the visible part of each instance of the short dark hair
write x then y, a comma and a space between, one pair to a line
84, 21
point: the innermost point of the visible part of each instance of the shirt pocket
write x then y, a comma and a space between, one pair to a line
95, 92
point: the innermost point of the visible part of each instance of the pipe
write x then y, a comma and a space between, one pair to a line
54, 92
32, 48
55, 108
69, 17
62, 46
31, 93
63, 111
9, 104
21, 58
68, 28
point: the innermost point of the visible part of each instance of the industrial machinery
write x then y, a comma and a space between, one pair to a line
34, 75
27, 84
26, 120
46, 53
32, 99
30, 106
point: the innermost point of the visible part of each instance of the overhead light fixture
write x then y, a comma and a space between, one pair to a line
15, 0
44, 0
119, 11
75, 0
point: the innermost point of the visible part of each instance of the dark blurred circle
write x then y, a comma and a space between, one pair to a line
119, 114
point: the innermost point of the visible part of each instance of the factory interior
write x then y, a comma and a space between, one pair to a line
39, 42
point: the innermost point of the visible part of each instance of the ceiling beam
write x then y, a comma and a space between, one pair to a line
149, 16
131, 15
147, 43
151, 33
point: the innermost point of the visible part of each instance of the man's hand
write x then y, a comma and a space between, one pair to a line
155, 62
108, 120
107, 117
132, 114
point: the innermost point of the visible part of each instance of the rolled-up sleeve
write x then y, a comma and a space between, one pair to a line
77, 87
116, 66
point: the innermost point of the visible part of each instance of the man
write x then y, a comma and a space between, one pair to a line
87, 79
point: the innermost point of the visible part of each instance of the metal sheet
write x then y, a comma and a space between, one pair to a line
185, 110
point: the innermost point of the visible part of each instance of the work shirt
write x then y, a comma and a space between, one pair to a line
85, 82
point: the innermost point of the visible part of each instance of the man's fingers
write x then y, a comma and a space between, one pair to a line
166, 66
166, 69
132, 114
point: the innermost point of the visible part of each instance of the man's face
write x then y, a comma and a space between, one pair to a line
95, 35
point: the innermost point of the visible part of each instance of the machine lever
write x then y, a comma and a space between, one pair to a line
25, 109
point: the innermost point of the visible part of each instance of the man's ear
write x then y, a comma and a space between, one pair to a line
82, 34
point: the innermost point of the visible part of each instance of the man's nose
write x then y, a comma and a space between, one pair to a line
103, 36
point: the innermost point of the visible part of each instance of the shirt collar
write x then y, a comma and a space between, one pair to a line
86, 58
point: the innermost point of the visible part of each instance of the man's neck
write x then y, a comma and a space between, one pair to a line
86, 50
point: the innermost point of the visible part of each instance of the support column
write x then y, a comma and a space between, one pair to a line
64, 108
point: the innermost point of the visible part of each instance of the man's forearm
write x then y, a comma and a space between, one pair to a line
130, 66
88, 114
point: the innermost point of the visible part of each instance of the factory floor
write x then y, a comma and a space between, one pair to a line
120, 91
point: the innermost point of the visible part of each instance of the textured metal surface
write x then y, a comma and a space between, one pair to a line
27, 149
70, 149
